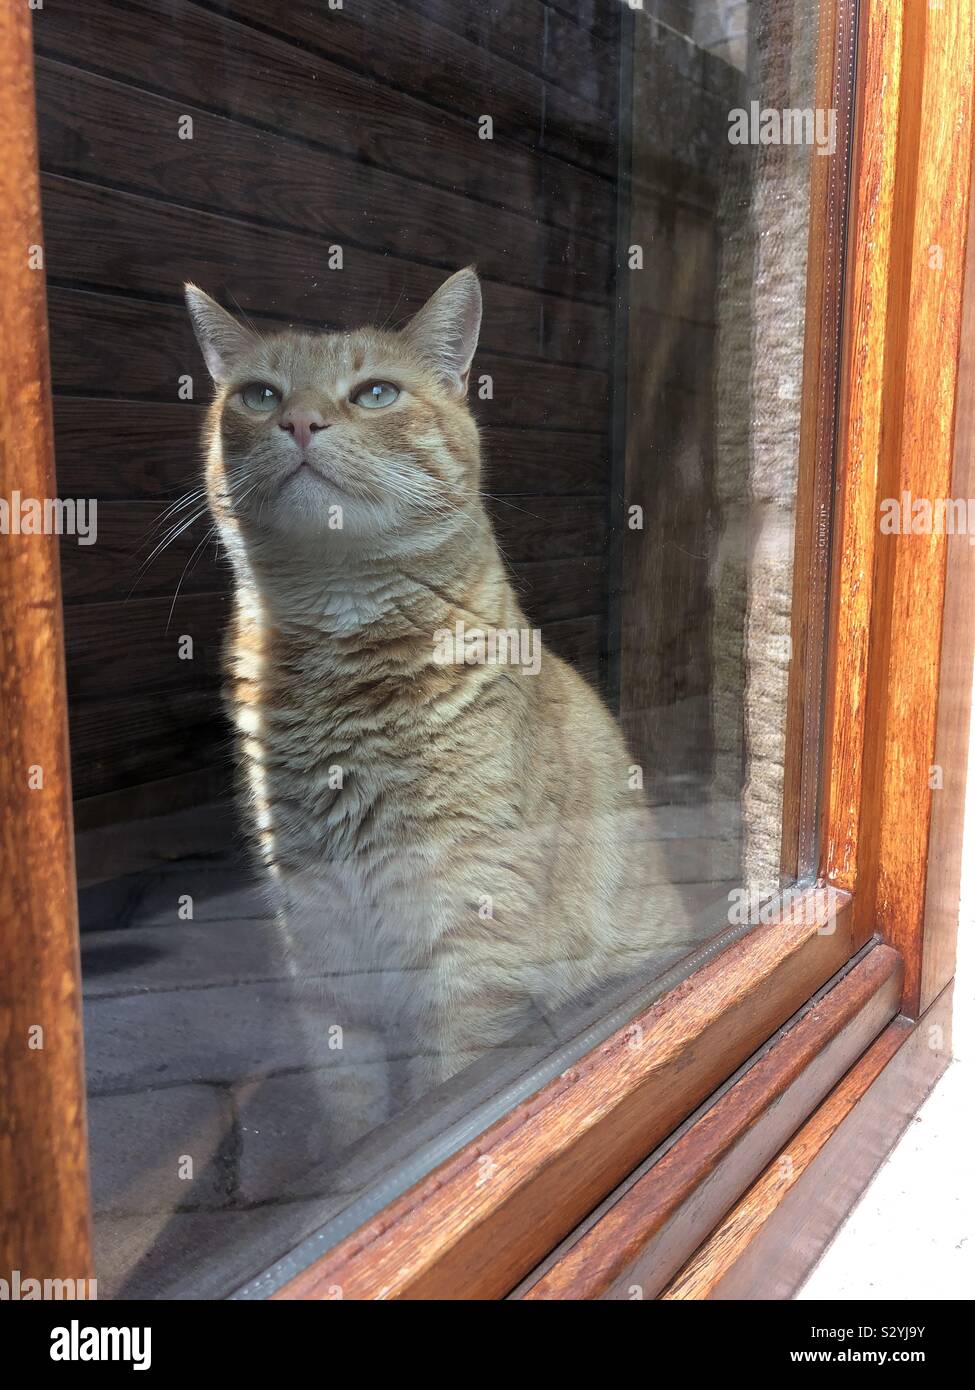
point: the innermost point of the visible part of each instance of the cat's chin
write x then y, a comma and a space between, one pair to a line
307, 503
311, 512
310, 478
308, 483
307, 514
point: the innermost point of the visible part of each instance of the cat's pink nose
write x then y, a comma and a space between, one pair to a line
302, 424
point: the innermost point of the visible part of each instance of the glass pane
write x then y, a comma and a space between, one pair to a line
429, 716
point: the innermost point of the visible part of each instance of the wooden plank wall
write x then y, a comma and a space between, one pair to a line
311, 127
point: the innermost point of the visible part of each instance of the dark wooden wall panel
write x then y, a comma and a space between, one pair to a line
144, 247
180, 49
303, 187
311, 128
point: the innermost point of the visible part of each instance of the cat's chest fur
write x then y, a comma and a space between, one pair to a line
356, 757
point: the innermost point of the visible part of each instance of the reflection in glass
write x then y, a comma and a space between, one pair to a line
428, 727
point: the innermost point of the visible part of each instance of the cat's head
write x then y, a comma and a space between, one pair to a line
343, 439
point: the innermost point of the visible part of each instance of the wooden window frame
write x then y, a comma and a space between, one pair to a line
765, 1089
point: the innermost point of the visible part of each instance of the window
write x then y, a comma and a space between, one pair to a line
491, 937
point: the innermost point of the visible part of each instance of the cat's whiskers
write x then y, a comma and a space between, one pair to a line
441, 506
195, 494
496, 497
172, 535
419, 490
210, 533
168, 513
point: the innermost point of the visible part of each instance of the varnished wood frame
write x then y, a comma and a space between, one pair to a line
891, 709
481, 1220
557, 1156
766, 1244
647, 1232
44, 1206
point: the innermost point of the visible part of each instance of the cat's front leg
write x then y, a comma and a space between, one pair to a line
339, 1033
469, 1019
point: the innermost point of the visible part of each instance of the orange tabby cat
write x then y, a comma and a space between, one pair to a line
449, 841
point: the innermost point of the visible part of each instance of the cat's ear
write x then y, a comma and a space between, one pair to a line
222, 339
446, 328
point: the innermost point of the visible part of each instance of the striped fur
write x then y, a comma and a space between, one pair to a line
447, 844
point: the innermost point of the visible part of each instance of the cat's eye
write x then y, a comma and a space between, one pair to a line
257, 395
376, 395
